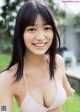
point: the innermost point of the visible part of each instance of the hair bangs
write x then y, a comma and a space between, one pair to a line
30, 18
45, 16
30, 21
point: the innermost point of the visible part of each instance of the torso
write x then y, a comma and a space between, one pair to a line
40, 87
38, 84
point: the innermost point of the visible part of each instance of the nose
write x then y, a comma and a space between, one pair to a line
40, 36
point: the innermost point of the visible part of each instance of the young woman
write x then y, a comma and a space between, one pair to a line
36, 75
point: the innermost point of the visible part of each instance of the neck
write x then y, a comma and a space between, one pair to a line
34, 61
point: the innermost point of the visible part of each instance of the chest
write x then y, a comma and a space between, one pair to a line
41, 89
44, 95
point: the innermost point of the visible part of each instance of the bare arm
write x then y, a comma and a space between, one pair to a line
69, 90
5, 94
5, 104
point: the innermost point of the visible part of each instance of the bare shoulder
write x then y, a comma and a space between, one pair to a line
6, 92
60, 66
59, 60
6, 80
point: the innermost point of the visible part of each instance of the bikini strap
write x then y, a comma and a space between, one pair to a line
25, 81
56, 81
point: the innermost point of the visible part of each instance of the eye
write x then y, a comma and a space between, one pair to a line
32, 29
48, 28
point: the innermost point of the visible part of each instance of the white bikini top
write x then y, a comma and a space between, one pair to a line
29, 104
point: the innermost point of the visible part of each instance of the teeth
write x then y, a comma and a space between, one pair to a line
40, 45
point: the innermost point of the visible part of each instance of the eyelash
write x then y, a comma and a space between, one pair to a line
48, 28
31, 29
34, 29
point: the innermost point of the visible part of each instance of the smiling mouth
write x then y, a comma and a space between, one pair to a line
39, 44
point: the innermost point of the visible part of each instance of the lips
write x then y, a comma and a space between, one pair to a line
39, 44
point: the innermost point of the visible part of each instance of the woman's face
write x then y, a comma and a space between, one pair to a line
38, 38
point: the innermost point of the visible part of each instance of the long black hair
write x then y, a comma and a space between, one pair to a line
27, 16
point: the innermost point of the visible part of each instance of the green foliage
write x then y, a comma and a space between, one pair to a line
72, 104
15, 106
5, 42
8, 15
4, 61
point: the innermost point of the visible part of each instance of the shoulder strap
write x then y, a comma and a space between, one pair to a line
25, 81
56, 82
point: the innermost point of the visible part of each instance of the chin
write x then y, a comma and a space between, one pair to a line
40, 53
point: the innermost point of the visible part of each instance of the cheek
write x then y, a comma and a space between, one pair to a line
50, 36
26, 37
